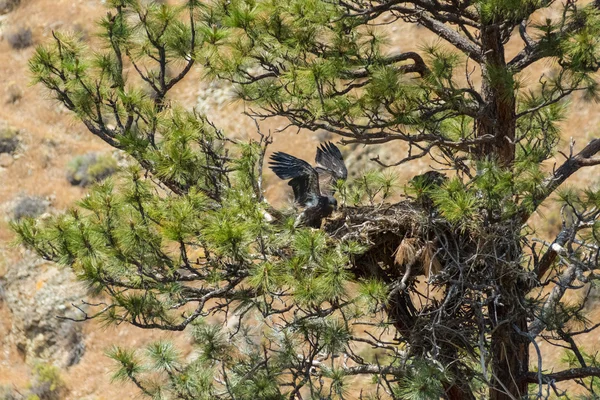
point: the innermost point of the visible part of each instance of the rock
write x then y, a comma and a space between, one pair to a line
214, 95
37, 293
6, 160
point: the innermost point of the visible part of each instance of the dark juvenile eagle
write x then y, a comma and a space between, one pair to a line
313, 187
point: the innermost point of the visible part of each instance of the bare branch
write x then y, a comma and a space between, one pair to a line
418, 66
453, 37
529, 42
569, 374
583, 159
550, 256
557, 293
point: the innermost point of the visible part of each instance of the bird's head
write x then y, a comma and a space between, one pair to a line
332, 203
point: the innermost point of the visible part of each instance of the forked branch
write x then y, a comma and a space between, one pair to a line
585, 158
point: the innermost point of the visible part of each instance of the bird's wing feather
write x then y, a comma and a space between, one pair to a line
304, 179
330, 165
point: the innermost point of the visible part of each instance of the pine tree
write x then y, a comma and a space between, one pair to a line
180, 240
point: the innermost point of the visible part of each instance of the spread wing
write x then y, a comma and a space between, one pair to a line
330, 166
304, 179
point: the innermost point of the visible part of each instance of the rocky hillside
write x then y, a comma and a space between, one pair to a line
44, 158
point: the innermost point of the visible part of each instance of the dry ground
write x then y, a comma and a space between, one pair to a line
51, 137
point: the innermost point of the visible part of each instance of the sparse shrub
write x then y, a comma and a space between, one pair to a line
14, 94
323, 136
7, 6
29, 206
91, 167
47, 383
9, 140
20, 39
8, 393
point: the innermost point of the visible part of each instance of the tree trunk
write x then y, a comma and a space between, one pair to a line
510, 355
509, 343
498, 120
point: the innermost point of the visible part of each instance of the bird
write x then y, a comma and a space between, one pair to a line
423, 186
313, 187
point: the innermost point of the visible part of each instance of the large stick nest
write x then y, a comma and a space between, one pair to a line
381, 229
464, 265
367, 224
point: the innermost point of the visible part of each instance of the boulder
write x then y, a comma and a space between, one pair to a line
39, 296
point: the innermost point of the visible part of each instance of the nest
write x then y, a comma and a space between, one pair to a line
369, 222
405, 233
395, 235
406, 240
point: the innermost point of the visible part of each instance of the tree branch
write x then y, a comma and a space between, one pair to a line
539, 324
548, 258
536, 50
584, 158
418, 66
453, 37
573, 373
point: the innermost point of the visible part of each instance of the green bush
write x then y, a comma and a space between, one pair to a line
47, 383
89, 168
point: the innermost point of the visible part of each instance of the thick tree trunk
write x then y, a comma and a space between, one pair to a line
498, 120
509, 344
510, 355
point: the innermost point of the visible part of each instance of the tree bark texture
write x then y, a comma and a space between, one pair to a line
509, 345
499, 115
510, 355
